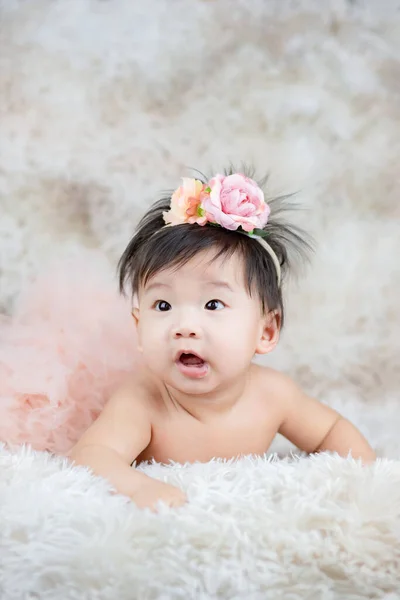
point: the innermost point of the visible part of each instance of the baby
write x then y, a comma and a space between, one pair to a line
205, 269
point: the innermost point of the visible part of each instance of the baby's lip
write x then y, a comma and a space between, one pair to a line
188, 351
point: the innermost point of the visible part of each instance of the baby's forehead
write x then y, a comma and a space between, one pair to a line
204, 268
208, 265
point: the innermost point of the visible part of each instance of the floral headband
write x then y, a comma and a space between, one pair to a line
233, 202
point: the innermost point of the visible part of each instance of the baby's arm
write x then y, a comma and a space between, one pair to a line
113, 442
314, 427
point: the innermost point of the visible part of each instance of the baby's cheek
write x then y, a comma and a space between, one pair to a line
230, 344
151, 334
240, 340
154, 355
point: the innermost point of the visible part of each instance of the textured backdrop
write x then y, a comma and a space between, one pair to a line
104, 104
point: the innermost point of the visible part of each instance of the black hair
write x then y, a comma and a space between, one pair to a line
154, 248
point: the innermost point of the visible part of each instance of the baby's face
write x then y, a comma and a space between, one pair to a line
198, 328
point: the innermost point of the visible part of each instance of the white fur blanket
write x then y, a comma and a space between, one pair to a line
256, 528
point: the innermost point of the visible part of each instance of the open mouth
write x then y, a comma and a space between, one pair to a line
190, 359
191, 364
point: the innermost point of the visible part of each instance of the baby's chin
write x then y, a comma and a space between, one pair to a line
191, 386
194, 382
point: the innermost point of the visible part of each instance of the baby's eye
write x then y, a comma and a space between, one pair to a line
162, 306
215, 305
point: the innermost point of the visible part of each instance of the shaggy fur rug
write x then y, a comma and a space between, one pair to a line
104, 104
254, 529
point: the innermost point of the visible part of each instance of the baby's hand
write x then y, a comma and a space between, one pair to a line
154, 491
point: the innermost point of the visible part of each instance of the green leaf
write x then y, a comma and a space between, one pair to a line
208, 190
260, 232
200, 211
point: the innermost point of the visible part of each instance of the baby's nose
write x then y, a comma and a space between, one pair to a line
186, 332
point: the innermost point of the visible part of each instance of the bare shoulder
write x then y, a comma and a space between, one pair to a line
275, 385
303, 420
278, 390
125, 421
137, 389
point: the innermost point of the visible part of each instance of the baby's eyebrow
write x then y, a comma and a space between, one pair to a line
220, 284
157, 285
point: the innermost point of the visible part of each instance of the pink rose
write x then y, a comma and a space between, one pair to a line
235, 201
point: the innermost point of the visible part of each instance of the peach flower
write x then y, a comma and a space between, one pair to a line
185, 204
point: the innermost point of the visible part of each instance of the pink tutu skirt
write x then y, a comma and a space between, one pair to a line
69, 344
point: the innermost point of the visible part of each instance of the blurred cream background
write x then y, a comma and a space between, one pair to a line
105, 104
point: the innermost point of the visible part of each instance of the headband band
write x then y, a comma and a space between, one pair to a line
274, 257
234, 202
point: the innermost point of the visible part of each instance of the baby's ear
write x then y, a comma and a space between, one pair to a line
270, 328
135, 315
